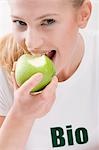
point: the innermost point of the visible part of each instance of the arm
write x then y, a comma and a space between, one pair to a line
15, 131
26, 108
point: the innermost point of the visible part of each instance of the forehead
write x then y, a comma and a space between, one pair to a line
37, 1
34, 3
23, 5
35, 8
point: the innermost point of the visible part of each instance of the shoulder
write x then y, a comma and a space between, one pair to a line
1, 73
3, 79
6, 93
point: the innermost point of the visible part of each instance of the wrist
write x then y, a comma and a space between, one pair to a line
18, 114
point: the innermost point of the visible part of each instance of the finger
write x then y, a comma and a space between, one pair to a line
36, 93
32, 82
15, 86
14, 66
52, 86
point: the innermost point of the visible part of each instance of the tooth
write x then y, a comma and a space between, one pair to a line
36, 54
48, 52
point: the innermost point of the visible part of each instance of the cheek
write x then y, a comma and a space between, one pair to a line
67, 42
19, 38
64, 35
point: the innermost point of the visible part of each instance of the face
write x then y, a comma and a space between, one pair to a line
46, 26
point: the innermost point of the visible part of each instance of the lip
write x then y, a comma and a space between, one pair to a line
51, 53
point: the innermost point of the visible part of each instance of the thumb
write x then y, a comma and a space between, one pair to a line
31, 82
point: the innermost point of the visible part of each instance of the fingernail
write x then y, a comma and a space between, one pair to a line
55, 78
39, 75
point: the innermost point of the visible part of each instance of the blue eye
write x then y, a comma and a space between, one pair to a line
18, 22
47, 22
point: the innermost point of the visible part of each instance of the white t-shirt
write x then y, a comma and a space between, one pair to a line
72, 123
6, 94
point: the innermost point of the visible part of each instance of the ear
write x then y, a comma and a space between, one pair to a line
84, 13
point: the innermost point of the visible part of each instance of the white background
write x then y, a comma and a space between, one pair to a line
5, 22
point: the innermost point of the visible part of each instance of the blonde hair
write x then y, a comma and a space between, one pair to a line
9, 52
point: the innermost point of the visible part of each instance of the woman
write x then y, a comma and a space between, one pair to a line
51, 28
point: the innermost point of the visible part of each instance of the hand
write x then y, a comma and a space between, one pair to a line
35, 105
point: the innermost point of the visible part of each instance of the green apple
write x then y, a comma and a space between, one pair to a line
28, 65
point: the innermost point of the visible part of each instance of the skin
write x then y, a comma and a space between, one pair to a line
31, 31
40, 37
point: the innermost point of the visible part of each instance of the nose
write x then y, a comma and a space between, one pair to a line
33, 40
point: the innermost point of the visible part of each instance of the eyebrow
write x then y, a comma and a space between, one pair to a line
38, 18
47, 15
16, 17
